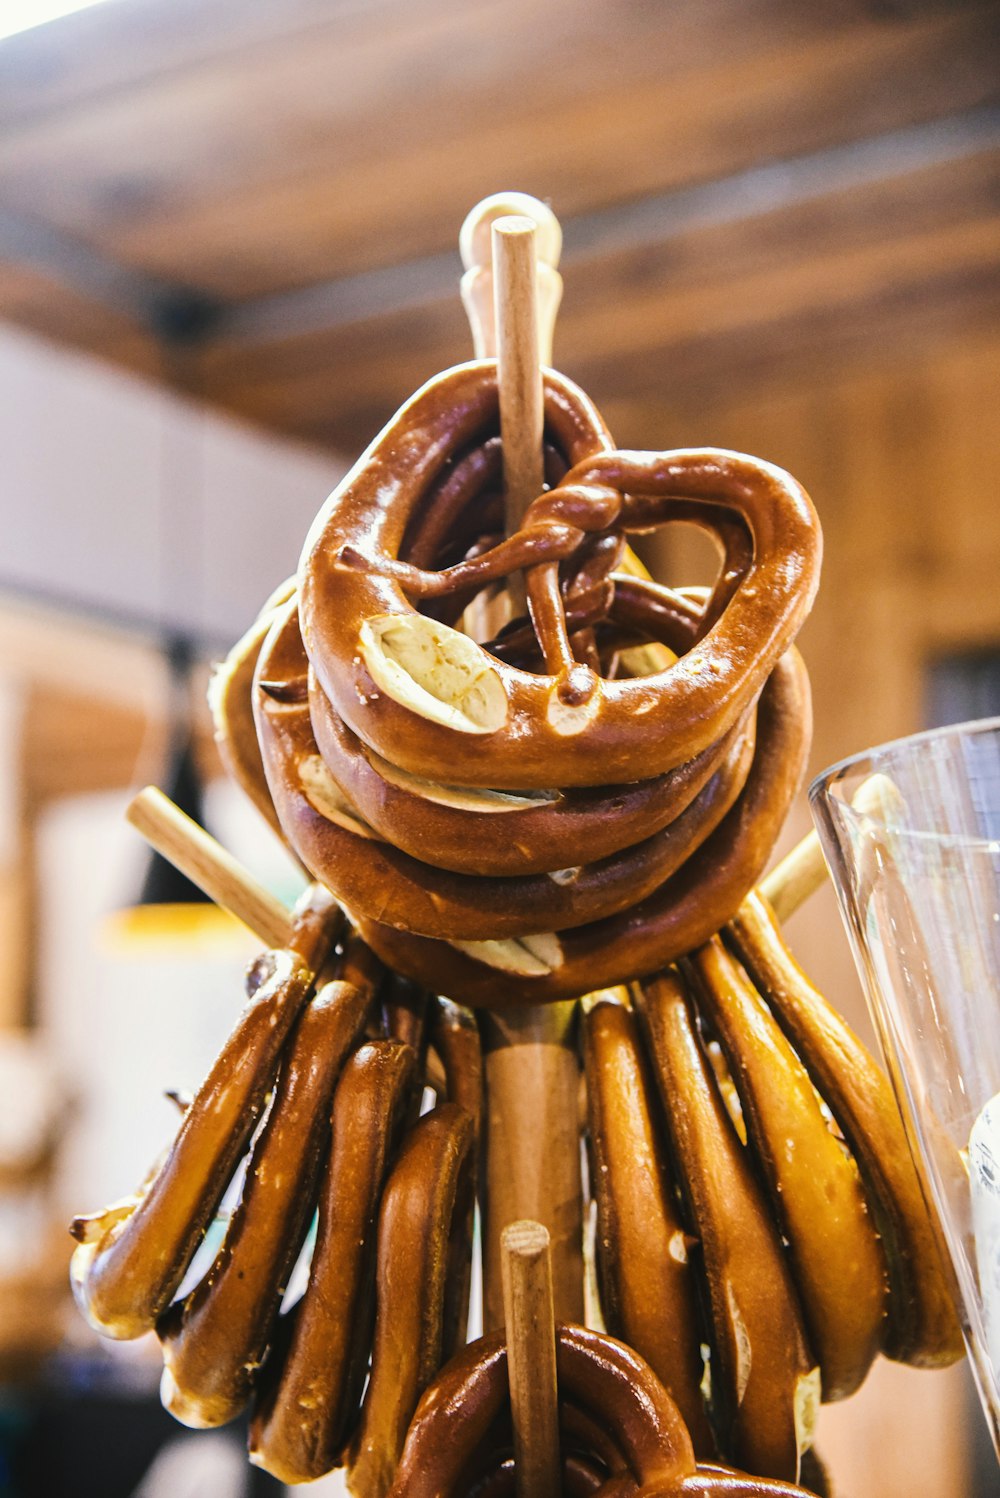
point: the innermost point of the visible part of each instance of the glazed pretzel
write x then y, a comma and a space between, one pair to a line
514, 729
134, 1254
684, 912
377, 881
621, 1433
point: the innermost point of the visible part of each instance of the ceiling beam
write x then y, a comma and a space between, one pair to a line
630, 226
176, 312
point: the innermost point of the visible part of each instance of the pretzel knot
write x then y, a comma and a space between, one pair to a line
587, 794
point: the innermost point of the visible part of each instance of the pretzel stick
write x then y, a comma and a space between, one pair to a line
208, 865
531, 1359
532, 1076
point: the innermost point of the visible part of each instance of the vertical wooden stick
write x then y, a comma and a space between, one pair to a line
532, 1076
531, 1359
519, 373
533, 1147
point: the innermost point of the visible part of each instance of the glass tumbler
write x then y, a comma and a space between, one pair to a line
911, 832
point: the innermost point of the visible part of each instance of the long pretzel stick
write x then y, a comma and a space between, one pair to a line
208, 865
532, 1076
531, 1359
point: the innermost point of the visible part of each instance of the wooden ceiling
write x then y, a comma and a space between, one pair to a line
750, 189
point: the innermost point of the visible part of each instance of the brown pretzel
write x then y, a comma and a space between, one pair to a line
921, 1326
133, 1256
816, 1194
310, 1387
216, 1338
765, 1387
621, 1434
231, 702
521, 730
648, 1290
475, 831
422, 1285
377, 881
684, 912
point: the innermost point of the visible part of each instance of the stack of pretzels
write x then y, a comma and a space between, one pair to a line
340, 1047
529, 818
575, 801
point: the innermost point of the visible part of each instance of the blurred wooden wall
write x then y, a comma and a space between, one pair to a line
902, 458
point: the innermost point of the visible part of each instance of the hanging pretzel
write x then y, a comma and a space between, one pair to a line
423, 696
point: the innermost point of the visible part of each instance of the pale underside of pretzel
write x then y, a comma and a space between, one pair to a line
687, 909
376, 881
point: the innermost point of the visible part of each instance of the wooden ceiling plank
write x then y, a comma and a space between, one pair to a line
191, 177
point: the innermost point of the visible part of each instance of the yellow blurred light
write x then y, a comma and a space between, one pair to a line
166, 930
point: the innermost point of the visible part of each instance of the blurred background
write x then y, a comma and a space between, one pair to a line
227, 254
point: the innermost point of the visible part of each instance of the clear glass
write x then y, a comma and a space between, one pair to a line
911, 831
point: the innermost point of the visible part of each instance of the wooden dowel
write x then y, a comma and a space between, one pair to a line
531, 1359
519, 373
208, 865
533, 1146
801, 872
799, 875
530, 1063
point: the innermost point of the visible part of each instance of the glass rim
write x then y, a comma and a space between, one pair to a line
841, 768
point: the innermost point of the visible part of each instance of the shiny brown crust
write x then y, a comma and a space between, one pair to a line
133, 1256
215, 1340
378, 882
624, 730
621, 1434
921, 1327
647, 1284
454, 1034
685, 911
509, 838
229, 697
760, 1361
604, 1378
816, 1194
422, 1285
310, 1388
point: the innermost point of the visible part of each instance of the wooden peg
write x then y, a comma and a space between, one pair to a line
530, 1063
208, 865
531, 1359
476, 248
801, 872
519, 373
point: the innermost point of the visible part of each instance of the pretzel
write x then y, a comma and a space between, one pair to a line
422, 1286
647, 1285
765, 1386
621, 1433
231, 705
423, 696
377, 881
475, 831
310, 1388
921, 1326
684, 912
133, 1255
216, 1338
816, 1194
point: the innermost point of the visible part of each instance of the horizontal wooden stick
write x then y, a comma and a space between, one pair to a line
208, 865
531, 1359
801, 872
